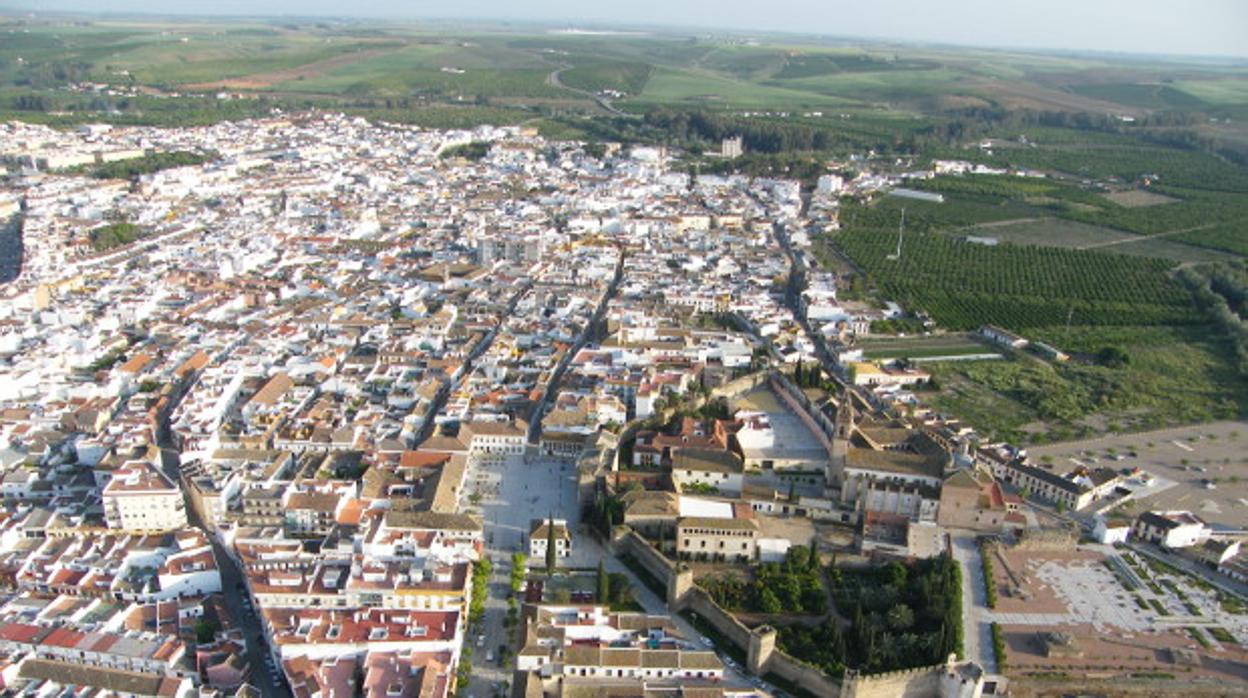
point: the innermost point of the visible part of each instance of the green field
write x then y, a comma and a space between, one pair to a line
964, 285
1056, 232
363, 61
1149, 96
1174, 376
922, 347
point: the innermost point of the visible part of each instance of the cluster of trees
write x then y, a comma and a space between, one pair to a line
800, 166
32, 102
998, 648
901, 616
474, 151
613, 589
607, 512
481, 572
519, 565
107, 237
759, 135
901, 325
1221, 291
807, 376
792, 586
130, 169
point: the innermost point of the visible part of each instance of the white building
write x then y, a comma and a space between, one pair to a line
141, 498
539, 534
1170, 529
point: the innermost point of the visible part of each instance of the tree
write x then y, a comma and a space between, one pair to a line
604, 589
205, 630
768, 602
900, 617
552, 556
813, 563
519, 563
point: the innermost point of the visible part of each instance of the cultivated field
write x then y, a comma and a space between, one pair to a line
1132, 198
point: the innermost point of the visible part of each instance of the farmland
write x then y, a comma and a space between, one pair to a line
1174, 376
1178, 368
964, 285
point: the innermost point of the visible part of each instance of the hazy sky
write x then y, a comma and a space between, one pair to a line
1193, 27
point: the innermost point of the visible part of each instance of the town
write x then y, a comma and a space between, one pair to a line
315, 405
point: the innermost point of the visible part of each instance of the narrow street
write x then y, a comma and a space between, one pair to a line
264, 674
436, 406
552, 387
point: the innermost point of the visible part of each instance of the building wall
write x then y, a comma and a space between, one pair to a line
156, 512
729, 483
730, 544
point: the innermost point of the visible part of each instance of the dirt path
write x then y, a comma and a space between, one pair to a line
1002, 224
1138, 238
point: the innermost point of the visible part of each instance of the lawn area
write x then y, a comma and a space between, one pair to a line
923, 347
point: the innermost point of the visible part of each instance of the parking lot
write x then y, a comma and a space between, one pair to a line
1208, 464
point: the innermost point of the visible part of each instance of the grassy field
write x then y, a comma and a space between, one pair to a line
1174, 376
1056, 232
922, 347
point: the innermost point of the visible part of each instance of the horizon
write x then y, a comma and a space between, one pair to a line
1113, 28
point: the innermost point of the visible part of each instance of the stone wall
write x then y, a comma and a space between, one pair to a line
1047, 539
923, 682
740, 386
804, 675
630, 542
725, 624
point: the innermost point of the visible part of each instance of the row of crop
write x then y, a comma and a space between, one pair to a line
963, 285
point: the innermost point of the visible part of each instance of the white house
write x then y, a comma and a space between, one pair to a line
539, 533
1170, 529
1110, 532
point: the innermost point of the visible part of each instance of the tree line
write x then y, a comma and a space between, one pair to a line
1221, 291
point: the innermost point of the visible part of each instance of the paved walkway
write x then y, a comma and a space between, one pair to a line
976, 619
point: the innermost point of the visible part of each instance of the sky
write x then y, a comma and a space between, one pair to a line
1182, 27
